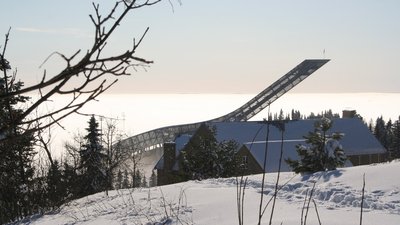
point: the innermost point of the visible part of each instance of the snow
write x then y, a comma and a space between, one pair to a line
337, 195
357, 140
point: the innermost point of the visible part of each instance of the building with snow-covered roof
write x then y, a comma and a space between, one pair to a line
358, 140
359, 145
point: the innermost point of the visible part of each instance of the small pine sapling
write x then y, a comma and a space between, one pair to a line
322, 152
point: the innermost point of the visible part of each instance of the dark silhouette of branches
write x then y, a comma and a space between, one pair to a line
85, 75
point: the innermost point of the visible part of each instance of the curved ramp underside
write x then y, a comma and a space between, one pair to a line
154, 139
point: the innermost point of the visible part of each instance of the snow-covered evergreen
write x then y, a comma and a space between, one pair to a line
322, 152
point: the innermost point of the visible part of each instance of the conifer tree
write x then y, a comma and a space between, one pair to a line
380, 131
204, 157
118, 185
56, 189
227, 162
136, 179
200, 157
322, 152
153, 179
92, 161
370, 126
281, 115
389, 135
125, 182
144, 181
395, 147
16, 151
71, 182
296, 115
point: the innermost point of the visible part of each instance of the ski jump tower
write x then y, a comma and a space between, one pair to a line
150, 143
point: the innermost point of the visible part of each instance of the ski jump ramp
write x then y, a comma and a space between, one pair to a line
150, 144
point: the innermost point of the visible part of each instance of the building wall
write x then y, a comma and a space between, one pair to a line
349, 113
165, 177
366, 159
250, 165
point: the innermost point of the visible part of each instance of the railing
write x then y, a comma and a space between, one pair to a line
154, 139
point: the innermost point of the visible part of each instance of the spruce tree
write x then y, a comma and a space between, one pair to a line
144, 181
380, 131
295, 115
136, 179
93, 177
227, 161
395, 147
153, 179
118, 185
125, 181
389, 136
204, 157
56, 189
322, 152
16, 151
200, 157
71, 182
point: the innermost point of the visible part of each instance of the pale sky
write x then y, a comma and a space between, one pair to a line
223, 46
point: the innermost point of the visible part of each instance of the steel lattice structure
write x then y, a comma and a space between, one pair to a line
154, 139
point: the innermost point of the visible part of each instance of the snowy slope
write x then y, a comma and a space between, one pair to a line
337, 195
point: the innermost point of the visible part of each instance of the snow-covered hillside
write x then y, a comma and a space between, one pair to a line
337, 195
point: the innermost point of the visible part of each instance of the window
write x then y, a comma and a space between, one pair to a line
244, 161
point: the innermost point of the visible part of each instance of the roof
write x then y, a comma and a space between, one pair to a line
273, 155
357, 140
180, 143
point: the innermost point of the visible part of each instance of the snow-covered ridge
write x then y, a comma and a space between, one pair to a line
337, 195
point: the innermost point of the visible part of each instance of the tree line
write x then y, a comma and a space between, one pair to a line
92, 163
297, 115
388, 134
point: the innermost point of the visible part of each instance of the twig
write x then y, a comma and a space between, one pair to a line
316, 210
308, 204
164, 203
280, 188
264, 172
91, 69
277, 179
238, 191
243, 192
362, 199
240, 195
302, 209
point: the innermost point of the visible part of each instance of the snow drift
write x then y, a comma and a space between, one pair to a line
337, 195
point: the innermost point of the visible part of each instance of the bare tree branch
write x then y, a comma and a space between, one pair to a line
90, 70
